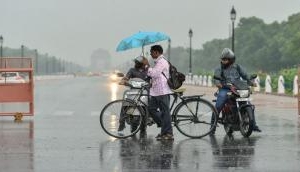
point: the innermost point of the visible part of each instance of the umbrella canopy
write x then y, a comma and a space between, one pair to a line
141, 39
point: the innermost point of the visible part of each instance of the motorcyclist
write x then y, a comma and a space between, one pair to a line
138, 71
229, 72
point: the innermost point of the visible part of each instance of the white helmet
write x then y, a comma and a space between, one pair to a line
227, 53
138, 59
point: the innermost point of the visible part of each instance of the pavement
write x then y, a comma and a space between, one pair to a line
65, 136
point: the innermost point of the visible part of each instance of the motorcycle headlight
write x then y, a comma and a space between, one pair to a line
243, 93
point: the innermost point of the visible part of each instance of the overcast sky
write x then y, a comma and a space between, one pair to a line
73, 29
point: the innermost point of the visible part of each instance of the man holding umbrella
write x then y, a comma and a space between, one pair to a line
159, 103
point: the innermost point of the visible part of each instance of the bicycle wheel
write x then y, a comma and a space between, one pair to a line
193, 117
121, 118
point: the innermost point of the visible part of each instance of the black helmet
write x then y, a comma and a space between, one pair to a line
228, 53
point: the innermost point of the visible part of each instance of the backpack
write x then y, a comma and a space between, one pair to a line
176, 78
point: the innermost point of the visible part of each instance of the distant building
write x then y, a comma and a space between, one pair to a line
100, 60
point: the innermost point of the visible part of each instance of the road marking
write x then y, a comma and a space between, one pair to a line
63, 113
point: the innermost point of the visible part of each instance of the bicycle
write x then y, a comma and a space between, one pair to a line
191, 116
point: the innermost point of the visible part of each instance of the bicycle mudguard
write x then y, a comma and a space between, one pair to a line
194, 96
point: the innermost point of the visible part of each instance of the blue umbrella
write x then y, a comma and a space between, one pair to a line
141, 39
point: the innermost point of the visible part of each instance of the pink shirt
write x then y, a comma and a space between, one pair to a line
159, 82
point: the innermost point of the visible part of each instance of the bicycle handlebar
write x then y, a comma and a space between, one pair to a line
135, 85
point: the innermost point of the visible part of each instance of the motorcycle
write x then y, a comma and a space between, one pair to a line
238, 112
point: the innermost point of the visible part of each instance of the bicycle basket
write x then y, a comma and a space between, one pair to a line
133, 94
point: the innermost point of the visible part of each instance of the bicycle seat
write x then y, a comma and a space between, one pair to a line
179, 90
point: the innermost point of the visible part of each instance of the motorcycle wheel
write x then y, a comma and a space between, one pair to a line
227, 126
246, 121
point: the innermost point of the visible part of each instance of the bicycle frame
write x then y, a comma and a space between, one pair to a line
176, 95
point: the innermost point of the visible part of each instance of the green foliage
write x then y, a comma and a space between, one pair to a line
258, 47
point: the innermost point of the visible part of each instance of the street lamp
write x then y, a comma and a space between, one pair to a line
36, 61
22, 54
1, 43
232, 17
1, 50
190, 35
22, 50
169, 49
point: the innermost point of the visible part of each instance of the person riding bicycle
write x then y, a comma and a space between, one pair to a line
138, 71
229, 71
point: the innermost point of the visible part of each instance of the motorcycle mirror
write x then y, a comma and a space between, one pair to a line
216, 77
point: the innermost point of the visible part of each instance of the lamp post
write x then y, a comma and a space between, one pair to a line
36, 61
1, 44
1, 49
22, 50
22, 54
169, 49
232, 17
190, 35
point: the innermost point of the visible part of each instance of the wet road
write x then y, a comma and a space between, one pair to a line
65, 136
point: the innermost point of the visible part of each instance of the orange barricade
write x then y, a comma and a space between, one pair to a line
16, 87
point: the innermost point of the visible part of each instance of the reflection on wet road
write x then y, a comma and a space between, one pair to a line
134, 154
209, 154
65, 135
16, 146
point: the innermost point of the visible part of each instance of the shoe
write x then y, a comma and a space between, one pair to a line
121, 126
256, 129
158, 136
166, 137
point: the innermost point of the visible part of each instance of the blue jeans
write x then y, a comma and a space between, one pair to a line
159, 108
220, 102
221, 99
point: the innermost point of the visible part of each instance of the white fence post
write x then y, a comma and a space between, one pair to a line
257, 81
200, 80
268, 84
281, 89
204, 81
209, 81
195, 79
295, 86
188, 79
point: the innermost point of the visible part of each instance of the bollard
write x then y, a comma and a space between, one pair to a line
281, 89
204, 80
268, 85
200, 80
295, 86
298, 90
257, 81
209, 81
195, 80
